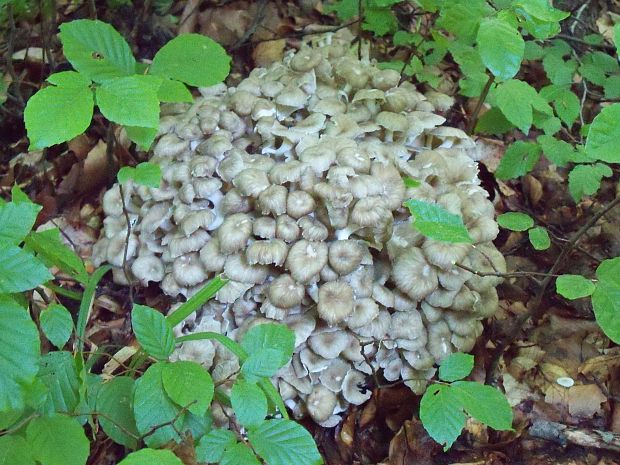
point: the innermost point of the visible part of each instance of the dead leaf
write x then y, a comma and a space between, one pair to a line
412, 445
266, 53
585, 400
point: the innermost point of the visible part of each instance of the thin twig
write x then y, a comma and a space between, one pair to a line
258, 18
514, 274
9, 54
534, 310
474, 117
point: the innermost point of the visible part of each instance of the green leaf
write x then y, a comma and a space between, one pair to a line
549, 124
153, 332
559, 71
437, 223
174, 91
606, 298
456, 366
501, 47
516, 99
143, 137
602, 141
114, 403
153, 408
533, 51
519, 159
284, 442
16, 220
59, 374
20, 271
145, 174
485, 403
410, 182
189, 385
493, 121
270, 336
96, 50
539, 238
441, 414
14, 450
194, 59
567, 107
130, 100
344, 9
57, 440
574, 286
515, 221
19, 353
249, 403
462, 18
239, 454
379, 21
151, 457
51, 249
57, 324
211, 446
57, 114
263, 362
586, 179
557, 151
542, 10
69, 79
612, 87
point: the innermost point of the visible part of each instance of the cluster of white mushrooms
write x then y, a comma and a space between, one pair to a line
291, 185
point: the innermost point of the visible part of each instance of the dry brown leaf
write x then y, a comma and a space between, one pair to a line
601, 366
266, 53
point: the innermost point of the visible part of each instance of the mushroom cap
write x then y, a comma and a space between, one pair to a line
148, 268
335, 302
251, 182
284, 292
329, 344
321, 403
299, 203
267, 252
354, 388
273, 200
305, 260
333, 376
413, 275
234, 232
345, 256
364, 311
238, 268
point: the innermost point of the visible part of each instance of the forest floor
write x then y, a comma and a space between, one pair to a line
542, 337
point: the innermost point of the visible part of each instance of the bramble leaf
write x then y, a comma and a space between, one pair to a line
519, 159
485, 403
57, 440
211, 447
16, 220
145, 174
515, 221
456, 366
57, 324
151, 457
501, 47
603, 136
20, 271
237, 454
114, 402
586, 179
437, 223
573, 286
188, 385
249, 403
270, 336
153, 332
441, 414
606, 298
517, 99
283, 442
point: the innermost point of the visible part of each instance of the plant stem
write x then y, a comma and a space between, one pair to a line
474, 117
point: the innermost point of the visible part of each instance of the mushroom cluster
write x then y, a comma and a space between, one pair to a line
291, 185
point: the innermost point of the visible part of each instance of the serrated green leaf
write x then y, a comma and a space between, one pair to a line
16, 220
410, 182
194, 59
270, 336
437, 223
152, 407
485, 403
379, 21
211, 447
50, 249
539, 238
14, 450
515, 221
114, 402
407, 38
462, 18
57, 440
542, 10
539, 29
145, 174
284, 442
261, 363
59, 374
19, 353
96, 50
602, 141
586, 179
174, 91
344, 9
249, 403
533, 51
617, 36
612, 87
456, 366
557, 151
20, 271
559, 71
238, 454
606, 298
57, 114
516, 99
57, 324
69, 79
493, 121
519, 159
189, 385
143, 137
441, 414
130, 100
573, 286
595, 66
501, 47
153, 332
567, 107
151, 457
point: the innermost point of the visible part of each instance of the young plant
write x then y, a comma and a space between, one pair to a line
126, 92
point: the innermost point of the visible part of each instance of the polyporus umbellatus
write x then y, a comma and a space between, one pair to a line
291, 185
